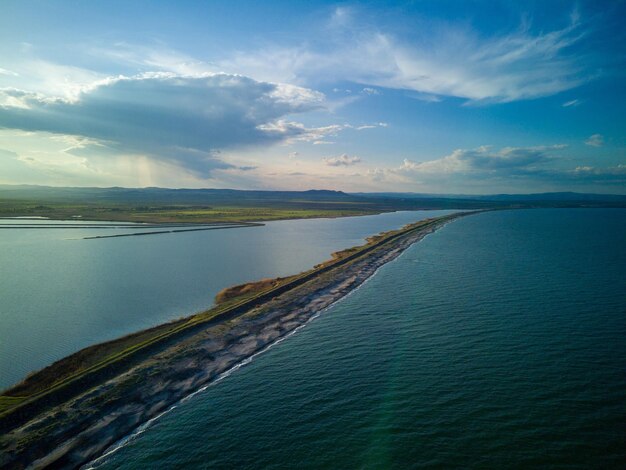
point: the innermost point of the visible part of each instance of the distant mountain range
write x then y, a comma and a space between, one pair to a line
557, 196
380, 200
117, 193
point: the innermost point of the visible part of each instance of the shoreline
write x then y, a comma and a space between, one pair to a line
81, 428
122, 442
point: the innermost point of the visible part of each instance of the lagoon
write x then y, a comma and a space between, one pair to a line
60, 293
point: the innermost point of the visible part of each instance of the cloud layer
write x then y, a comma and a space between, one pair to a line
510, 166
180, 119
169, 111
485, 160
439, 59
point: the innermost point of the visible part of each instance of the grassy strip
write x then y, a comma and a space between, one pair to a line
156, 336
81, 360
7, 403
248, 289
183, 213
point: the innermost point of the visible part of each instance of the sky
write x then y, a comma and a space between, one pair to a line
435, 96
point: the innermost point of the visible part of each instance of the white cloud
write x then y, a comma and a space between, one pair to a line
438, 60
595, 140
376, 174
370, 91
368, 126
292, 132
183, 120
608, 175
297, 132
342, 160
8, 72
571, 103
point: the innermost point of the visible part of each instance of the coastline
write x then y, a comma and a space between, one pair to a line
81, 428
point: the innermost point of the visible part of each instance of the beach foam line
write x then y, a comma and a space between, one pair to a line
98, 462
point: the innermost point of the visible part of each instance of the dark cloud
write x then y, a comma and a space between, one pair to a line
510, 164
180, 119
613, 175
505, 159
484, 160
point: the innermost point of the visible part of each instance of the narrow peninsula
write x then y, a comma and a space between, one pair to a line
70, 412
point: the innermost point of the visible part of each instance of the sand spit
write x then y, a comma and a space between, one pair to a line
81, 429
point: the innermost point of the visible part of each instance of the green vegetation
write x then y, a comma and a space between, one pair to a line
159, 205
249, 289
82, 360
7, 402
167, 213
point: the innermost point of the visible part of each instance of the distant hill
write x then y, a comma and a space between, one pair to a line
565, 196
314, 198
153, 194
545, 197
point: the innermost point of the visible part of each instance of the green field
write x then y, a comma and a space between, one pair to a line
161, 205
169, 213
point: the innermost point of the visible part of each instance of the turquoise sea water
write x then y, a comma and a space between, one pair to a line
497, 342
59, 293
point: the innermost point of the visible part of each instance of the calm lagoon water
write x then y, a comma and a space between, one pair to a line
497, 342
59, 293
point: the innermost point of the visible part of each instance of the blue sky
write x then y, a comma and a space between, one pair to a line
421, 96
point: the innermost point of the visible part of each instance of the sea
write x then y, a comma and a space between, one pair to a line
497, 342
